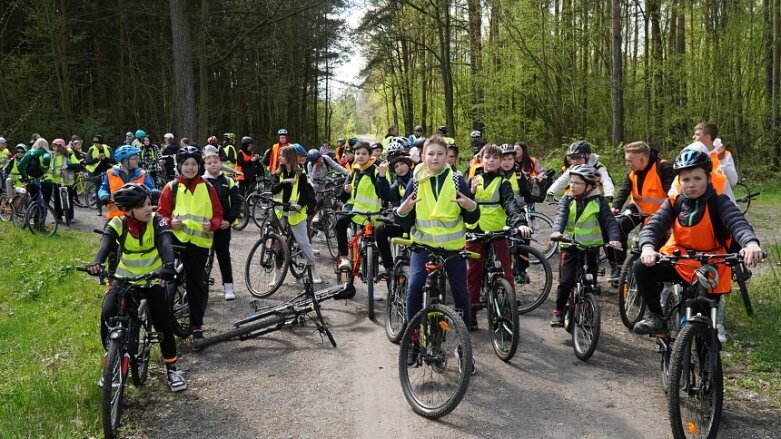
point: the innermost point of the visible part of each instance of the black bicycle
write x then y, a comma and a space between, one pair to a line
176, 297
396, 305
128, 346
435, 355
293, 312
743, 196
532, 274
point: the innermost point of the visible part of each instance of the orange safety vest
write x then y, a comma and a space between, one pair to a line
273, 158
114, 183
239, 170
700, 237
653, 194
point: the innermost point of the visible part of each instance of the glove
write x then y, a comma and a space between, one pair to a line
167, 273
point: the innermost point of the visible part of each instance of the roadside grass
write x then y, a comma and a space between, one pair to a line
49, 341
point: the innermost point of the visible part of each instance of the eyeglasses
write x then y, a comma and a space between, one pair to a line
577, 183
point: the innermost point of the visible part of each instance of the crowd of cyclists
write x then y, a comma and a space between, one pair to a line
686, 204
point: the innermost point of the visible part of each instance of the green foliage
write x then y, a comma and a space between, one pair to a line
49, 340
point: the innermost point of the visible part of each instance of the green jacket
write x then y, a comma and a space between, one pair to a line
40, 154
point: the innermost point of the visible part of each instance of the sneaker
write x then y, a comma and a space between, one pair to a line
277, 278
229, 293
384, 275
176, 381
722, 333
412, 355
557, 321
378, 296
458, 358
197, 334
344, 264
316, 279
653, 324
100, 213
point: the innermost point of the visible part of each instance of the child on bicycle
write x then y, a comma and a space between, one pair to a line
230, 201
583, 215
494, 194
436, 206
290, 185
400, 163
143, 240
700, 220
191, 206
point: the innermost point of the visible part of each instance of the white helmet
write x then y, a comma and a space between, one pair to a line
168, 136
475, 134
396, 145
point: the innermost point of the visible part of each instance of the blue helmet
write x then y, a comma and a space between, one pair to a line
299, 149
140, 134
125, 152
313, 155
353, 141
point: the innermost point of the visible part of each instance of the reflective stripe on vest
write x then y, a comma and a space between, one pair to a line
492, 215
586, 228
293, 217
94, 155
139, 256
364, 197
193, 209
114, 183
438, 222
653, 194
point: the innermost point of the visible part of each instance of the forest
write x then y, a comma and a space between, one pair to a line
544, 71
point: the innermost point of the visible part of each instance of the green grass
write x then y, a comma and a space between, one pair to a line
50, 352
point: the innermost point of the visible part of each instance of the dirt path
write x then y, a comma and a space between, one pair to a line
291, 384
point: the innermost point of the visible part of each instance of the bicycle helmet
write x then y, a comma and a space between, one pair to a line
507, 149
581, 147
97, 138
247, 140
209, 148
282, 132
418, 128
353, 141
168, 136
21, 147
229, 136
692, 158
475, 134
398, 144
140, 134
299, 149
189, 152
376, 145
2, 141
131, 195
442, 130
212, 140
125, 152
341, 140
60, 142
313, 155
586, 171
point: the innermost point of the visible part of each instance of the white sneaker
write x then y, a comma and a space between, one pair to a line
229, 293
277, 277
176, 381
378, 296
722, 333
344, 263
316, 279
316, 252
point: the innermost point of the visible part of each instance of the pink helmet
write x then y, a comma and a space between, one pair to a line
60, 142
212, 140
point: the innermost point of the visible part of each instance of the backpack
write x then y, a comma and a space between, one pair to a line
538, 187
33, 167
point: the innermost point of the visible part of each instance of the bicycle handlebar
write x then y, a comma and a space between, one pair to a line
577, 243
104, 273
466, 254
728, 258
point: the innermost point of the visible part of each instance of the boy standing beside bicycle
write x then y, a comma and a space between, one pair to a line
583, 215
143, 241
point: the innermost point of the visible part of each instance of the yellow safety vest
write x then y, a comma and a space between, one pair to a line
56, 168
139, 255
586, 229
364, 197
293, 217
492, 215
438, 222
193, 209
94, 155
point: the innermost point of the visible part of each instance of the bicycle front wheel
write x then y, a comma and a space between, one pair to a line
266, 265
114, 376
542, 227
41, 219
631, 305
586, 328
369, 263
533, 278
140, 348
396, 307
503, 321
741, 193
696, 384
18, 211
435, 361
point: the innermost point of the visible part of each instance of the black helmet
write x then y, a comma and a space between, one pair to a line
189, 152
246, 140
353, 141
131, 195
692, 158
442, 130
581, 147
98, 138
419, 128
588, 172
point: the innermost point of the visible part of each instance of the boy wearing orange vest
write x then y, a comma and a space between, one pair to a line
126, 171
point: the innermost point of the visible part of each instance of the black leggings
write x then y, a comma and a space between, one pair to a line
342, 224
382, 234
568, 270
194, 260
221, 245
158, 312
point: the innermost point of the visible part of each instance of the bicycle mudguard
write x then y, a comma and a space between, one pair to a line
348, 292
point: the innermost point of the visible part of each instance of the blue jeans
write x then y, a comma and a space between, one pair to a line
456, 274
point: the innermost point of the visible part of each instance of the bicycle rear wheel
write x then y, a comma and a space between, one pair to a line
542, 227
178, 307
89, 196
696, 385
396, 306
503, 321
140, 348
369, 264
586, 327
18, 211
270, 253
436, 381
631, 305
533, 283
114, 376
41, 219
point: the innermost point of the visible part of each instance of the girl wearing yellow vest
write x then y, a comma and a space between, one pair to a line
435, 207
583, 215
192, 207
143, 241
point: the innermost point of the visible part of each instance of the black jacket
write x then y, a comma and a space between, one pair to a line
229, 197
606, 219
664, 168
306, 195
730, 219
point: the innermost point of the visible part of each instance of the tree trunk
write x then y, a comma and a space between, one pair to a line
184, 97
203, 76
476, 61
617, 76
444, 29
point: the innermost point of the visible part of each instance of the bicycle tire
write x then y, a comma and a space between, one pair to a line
503, 323
690, 357
112, 395
739, 273
258, 212
258, 265
90, 196
527, 288
79, 188
587, 316
243, 219
179, 308
741, 193
239, 331
48, 226
140, 347
6, 211
396, 305
430, 321
298, 261
18, 211
369, 263
207, 270
542, 226
631, 305
673, 316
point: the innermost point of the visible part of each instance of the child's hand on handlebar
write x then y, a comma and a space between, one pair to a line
615, 244
648, 256
752, 254
94, 268
556, 236
525, 231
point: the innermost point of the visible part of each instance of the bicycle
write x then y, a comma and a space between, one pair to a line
363, 255
696, 382
64, 201
293, 312
631, 306
176, 298
743, 196
498, 297
396, 305
532, 274
34, 214
432, 384
325, 212
273, 253
583, 317
129, 344
541, 225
